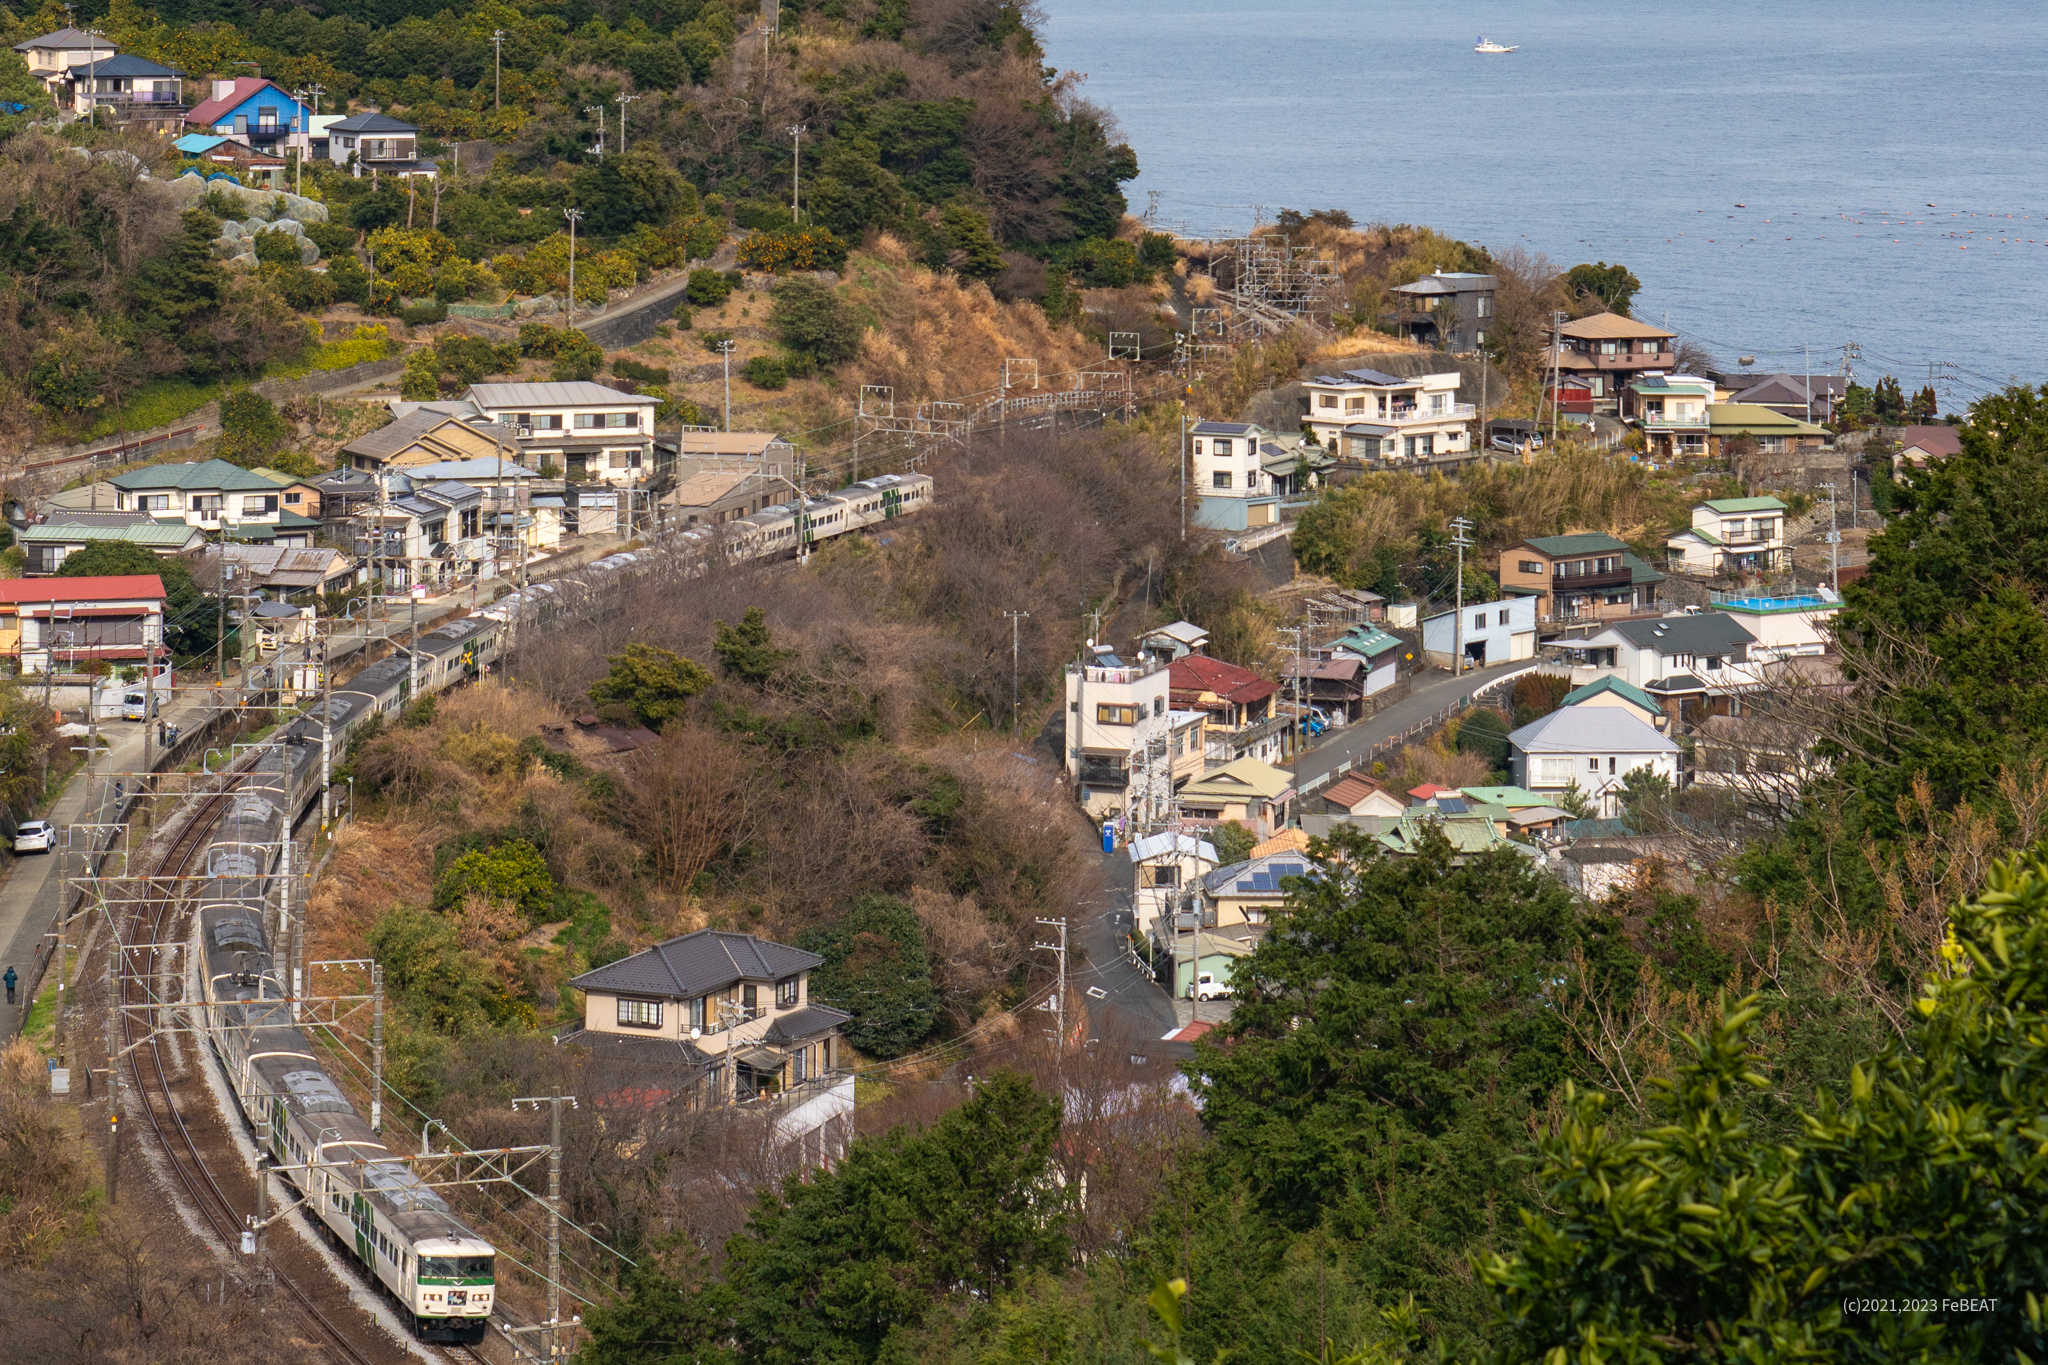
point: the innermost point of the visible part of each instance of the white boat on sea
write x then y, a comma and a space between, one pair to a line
1485, 46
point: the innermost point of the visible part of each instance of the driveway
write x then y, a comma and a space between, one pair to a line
1424, 701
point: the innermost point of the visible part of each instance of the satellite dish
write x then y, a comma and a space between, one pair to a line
695, 1034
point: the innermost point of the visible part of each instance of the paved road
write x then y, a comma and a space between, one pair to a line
1132, 1007
1432, 696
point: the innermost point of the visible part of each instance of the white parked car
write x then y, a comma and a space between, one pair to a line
36, 836
1207, 987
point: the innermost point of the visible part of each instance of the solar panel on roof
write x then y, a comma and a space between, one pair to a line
1290, 869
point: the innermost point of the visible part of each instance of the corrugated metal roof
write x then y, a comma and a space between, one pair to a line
174, 535
582, 393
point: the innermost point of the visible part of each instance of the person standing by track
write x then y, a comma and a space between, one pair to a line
10, 979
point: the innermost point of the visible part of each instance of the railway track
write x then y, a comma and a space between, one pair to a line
152, 1074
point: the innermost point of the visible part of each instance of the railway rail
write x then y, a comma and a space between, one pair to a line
144, 936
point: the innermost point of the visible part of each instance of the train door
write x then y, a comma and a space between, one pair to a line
892, 503
278, 1118
360, 1216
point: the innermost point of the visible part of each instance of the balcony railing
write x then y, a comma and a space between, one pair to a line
1657, 421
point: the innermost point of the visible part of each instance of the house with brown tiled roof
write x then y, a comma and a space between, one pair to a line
1921, 446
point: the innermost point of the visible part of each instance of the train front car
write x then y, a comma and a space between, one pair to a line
452, 1288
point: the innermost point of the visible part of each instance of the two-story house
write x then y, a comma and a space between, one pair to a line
254, 111
377, 143
1593, 748
591, 432
125, 89
1693, 664
1809, 397
214, 495
1609, 352
1168, 867
53, 54
1114, 711
1489, 632
1235, 492
427, 435
1451, 309
1256, 795
1586, 576
1240, 706
722, 1018
1380, 651
1732, 535
1671, 410
48, 544
60, 624
1368, 416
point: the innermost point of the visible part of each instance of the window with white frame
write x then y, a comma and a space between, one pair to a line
1553, 772
639, 1013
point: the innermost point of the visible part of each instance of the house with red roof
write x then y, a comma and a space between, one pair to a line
1918, 446
1243, 719
255, 112
61, 623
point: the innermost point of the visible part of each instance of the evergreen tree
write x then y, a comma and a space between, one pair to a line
653, 683
747, 651
179, 289
877, 969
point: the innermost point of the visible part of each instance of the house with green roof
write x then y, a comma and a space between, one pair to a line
1773, 431
1612, 691
1254, 794
1585, 576
231, 502
48, 545
1731, 536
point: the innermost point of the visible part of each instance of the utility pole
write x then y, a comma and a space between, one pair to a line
597, 109
1296, 632
796, 133
116, 972
326, 733
1556, 369
1809, 379
622, 100
1834, 541
1059, 999
574, 216
1186, 348
376, 1034
554, 1099
1016, 618
725, 349
221, 579
497, 70
1460, 538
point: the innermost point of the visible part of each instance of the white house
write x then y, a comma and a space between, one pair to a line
53, 54
1787, 624
1592, 747
1732, 535
1176, 641
1672, 411
1170, 867
1367, 415
591, 432
1381, 652
1236, 493
1711, 646
1495, 633
1113, 709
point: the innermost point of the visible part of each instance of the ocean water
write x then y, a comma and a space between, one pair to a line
1781, 176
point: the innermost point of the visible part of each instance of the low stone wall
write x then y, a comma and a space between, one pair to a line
635, 322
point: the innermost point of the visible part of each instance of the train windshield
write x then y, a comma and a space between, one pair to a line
468, 1268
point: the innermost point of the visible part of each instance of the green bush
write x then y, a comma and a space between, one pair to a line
627, 368
1485, 733
707, 288
576, 357
762, 215
250, 428
683, 317
813, 321
878, 969
513, 871
277, 247
333, 239
350, 280
423, 314
765, 372
307, 291
155, 405
1105, 264
1155, 251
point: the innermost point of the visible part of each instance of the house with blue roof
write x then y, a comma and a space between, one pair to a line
125, 89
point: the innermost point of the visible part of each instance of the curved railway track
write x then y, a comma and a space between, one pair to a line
153, 1074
